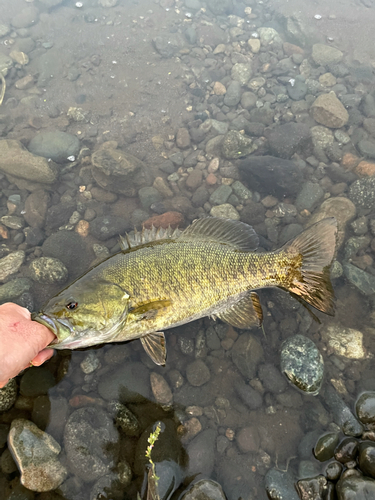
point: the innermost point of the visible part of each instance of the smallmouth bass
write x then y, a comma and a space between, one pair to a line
171, 278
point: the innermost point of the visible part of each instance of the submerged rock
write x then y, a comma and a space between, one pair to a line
329, 111
48, 270
35, 453
11, 263
302, 363
56, 145
236, 145
346, 342
341, 413
355, 488
8, 395
205, 489
280, 485
326, 54
365, 407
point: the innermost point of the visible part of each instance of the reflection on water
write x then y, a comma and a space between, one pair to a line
120, 113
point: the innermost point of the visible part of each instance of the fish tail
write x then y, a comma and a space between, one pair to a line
312, 253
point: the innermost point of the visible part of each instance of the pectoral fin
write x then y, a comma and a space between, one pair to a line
149, 310
246, 313
154, 345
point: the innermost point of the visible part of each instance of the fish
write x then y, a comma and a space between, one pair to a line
163, 278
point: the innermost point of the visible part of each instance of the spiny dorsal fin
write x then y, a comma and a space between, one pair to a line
137, 238
225, 231
246, 313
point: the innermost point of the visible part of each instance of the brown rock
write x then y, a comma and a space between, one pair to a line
83, 228
183, 138
24, 83
248, 439
103, 195
194, 179
211, 179
190, 428
36, 205
219, 89
329, 111
365, 169
172, 219
290, 49
160, 389
349, 161
162, 187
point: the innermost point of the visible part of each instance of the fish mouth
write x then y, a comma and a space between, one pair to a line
60, 328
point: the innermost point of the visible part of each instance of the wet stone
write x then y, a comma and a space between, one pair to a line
37, 460
201, 452
241, 72
366, 458
107, 226
302, 363
247, 353
345, 342
90, 440
355, 488
170, 477
220, 195
225, 211
197, 373
11, 263
297, 89
124, 418
290, 138
70, 249
312, 488
341, 413
365, 408
326, 54
280, 485
333, 471
148, 196
233, 94
272, 379
90, 363
128, 384
235, 145
325, 447
205, 489
160, 389
347, 450
36, 381
48, 270
248, 439
57, 145
309, 197
329, 111
8, 395
14, 288
362, 193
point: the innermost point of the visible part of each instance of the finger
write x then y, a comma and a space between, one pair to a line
42, 357
4, 383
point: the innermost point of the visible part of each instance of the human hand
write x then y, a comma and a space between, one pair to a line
22, 341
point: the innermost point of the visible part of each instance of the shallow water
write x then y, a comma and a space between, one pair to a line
144, 75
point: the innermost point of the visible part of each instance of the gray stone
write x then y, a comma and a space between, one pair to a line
218, 127
197, 373
201, 452
8, 395
11, 263
248, 100
355, 488
272, 379
128, 384
91, 443
309, 197
314, 487
107, 226
56, 145
280, 485
220, 195
297, 89
170, 477
365, 407
290, 138
225, 211
124, 418
219, 7
35, 453
48, 270
26, 17
12, 221
329, 111
233, 94
235, 145
205, 489
118, 171
366, 148
302, 363
249, 396
36, 381
14, 288
148, 196
213, 146
241, 191
326, 54
263, 115
362, 193
247, 353
341, 413
345, 342
168, 44
241, 72
17, 162
269, 36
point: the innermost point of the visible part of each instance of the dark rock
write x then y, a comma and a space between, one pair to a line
271, 175
36, 205
333, 471
312, 488
280, 485
34, 236
263, 115
197, 373
341, 413
253, 213
365, 408
355, 488
272, 379
168, 44
325, 447
128, 384
205, 489
58, 215
107, 226
366, 148
365, 282
36, 381
201, 452
366, 458
249, 396
91, 443
296, 90
290, 138
347, 450
248, 439
56, 145
247, 353
220, 7
233, 94
8, 395
211, 34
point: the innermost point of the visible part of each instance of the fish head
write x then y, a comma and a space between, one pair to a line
88, 312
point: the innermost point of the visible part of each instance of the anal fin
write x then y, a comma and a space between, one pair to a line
154, 345
246, 313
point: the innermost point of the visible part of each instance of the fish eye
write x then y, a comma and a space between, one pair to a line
72, 305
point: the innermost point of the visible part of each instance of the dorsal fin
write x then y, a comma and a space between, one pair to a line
137, 238
230, 232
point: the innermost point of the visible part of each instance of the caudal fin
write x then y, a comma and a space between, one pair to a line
309, 276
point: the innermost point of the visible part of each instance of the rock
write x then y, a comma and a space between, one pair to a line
254, 44
347, 450
249, 396
309, 197
36, 381
48, 270
11, 263
219, 88
213, 146
201, 452
233, 94
366, 458
341, 413
280, 484
182, 138
6, 63
225, 211
36, 205
342, 209
18, 162
345, 342
90, 441
70, 249
205, 489
160, 389
329, 111
248, 100
312, 488
59, 215
325, 55
128, 384
365, 282
211, 34
355, 488
241, 191
365, 407
365, 169
219, 7
107, 226
288, 139
269, 36
194, 179
297, 89
149, 196
366, 148
302, 363
168, 219
14, 288
271, 378
26, 17
8, 395
124, 418
38, 463
220, 195
235, 145
170, 477
362, 193
271, 175
247, 353
325, 447
241, 72
118, 171
248, 440
57, 145
168, 44
197, 373
108, 3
